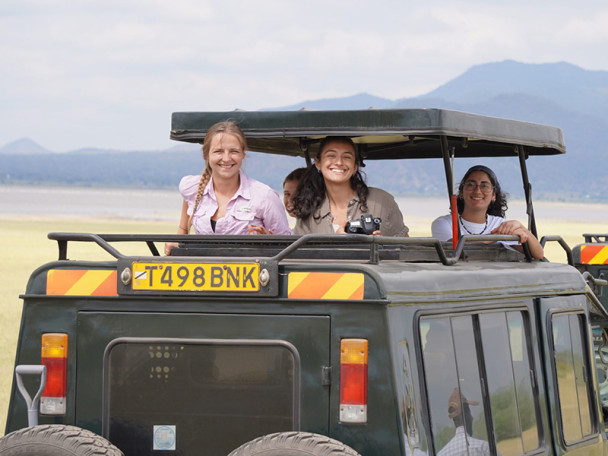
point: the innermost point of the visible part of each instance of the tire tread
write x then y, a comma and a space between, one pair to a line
56, 439
301, 443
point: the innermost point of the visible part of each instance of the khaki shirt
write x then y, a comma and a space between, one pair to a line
379, 204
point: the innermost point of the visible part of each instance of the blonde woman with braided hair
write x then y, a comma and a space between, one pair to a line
223, 200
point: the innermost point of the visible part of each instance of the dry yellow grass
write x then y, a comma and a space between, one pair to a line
24, 246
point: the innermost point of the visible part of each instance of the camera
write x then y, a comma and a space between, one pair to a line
367, 225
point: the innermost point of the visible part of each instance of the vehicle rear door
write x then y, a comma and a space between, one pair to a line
200, 383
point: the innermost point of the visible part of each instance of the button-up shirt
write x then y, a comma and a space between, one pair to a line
464, 445
379, 204
254, 203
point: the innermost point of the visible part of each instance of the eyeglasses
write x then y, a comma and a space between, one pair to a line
485, 187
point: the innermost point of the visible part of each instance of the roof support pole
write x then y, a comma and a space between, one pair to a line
304, 148
527, 189
448, 164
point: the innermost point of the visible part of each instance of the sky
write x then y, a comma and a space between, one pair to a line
108, 74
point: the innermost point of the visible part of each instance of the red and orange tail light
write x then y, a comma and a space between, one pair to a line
353, 381
54, 357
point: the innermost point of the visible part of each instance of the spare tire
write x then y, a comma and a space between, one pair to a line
56, 440
294, 444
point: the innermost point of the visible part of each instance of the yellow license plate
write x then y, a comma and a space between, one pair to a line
196, 276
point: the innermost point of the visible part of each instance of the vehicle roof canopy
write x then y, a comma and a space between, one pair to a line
380, 133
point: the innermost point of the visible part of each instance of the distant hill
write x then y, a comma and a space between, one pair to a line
558, 94
562, 83
359, 101
23, 146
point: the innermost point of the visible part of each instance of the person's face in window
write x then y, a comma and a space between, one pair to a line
289, 189
225, 156
478, 191
337, 162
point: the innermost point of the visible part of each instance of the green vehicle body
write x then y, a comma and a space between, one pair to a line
522, 339
591, 257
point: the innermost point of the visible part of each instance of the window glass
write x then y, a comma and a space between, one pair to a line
570, 371
477, 367
468, 372
440, 374
214, 394
565, 378
600, 344
522, 369
509, 383
580, 373
453, 386
408, 403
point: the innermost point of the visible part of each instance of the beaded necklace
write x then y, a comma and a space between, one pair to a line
465, 228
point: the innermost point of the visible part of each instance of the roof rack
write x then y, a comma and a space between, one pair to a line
595, 237
311, 246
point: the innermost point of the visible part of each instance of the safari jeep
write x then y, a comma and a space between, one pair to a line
319, 344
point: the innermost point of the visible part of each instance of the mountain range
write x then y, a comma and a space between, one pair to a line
559, 94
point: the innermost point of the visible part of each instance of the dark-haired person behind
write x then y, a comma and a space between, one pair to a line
481, 210
290, 185
332, 192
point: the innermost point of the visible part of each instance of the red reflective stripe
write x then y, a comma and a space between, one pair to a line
59, 281
107, 287
325, 285
314, 286
594, 254
81, 282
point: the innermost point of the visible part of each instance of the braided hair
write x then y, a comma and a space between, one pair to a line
226, 127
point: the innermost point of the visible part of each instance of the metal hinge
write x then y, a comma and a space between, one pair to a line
326, 375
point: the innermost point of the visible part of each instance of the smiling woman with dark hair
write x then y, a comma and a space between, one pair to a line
481, 210
333, 192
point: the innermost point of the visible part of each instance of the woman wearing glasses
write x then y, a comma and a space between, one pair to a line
481, 210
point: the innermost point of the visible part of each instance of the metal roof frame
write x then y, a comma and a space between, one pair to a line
386, 134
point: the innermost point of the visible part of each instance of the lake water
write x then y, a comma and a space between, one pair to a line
90, 202
165, 205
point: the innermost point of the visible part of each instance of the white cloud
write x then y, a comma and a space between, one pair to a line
108, 74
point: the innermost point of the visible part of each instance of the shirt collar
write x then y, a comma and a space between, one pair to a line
243, 191
325, 211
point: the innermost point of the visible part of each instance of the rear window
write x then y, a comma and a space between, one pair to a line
202, 398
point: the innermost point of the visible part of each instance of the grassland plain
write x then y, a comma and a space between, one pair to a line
25, 246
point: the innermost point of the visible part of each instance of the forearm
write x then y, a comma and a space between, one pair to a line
184, 219
516, 228
536, 249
